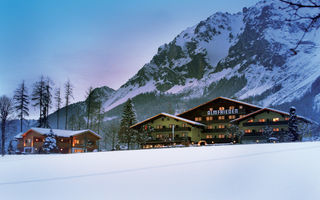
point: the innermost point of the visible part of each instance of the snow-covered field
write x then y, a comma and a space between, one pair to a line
242, 172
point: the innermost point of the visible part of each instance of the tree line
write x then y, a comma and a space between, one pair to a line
45, 98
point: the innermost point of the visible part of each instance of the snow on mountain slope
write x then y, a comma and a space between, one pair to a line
244, 55
287, 171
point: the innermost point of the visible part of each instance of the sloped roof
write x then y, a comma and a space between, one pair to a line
58, 132
225, 98
268, 109
171, 116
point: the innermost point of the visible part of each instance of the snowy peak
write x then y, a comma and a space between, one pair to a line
243, 55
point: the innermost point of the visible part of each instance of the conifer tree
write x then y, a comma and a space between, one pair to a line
21, 101
38, 95
10, 148
50, 143
126, 134
58, 100
293, 125
47, 101
68, 96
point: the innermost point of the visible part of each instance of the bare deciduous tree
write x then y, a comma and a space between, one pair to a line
6, 109
308, 10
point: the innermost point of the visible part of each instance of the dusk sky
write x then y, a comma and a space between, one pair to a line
92, 43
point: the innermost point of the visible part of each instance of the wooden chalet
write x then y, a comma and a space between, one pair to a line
67, 141
209, 123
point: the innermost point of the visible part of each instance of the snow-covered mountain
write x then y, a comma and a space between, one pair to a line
244, 55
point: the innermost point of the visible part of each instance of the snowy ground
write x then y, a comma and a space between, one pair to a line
242, 172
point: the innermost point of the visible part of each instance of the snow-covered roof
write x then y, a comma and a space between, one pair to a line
171, 116
268, 109
225, 98
58, 132
19, 135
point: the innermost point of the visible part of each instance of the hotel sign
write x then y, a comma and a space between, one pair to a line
223, 112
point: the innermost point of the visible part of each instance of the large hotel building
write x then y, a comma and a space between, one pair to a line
210, 123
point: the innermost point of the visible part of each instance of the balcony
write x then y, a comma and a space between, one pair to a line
265, 123
175, 129
216, 130
168, 140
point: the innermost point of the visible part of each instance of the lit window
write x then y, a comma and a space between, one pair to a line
261, 130
287, 118
232, 116
208, 136
209, 118
209, 127
231, 107
221, 126
276, 119
221, 108
241, 116
221, 136
184, 125
61, 140
211, 109
262, 120
248, 131
197, 119
221, 117
77, 141
275, 129
250, 120
240, 107
171, 125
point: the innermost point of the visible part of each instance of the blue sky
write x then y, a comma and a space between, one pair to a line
92, 43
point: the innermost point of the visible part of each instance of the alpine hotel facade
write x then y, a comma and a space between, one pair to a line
208, 123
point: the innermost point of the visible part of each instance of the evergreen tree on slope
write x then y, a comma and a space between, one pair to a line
126, 134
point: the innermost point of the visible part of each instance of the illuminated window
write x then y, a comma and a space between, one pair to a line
184, 134
61, 140
171, 125
221, 108
221, 136
250, 120
276, 119
221, 117
240, 107
232, 116
197, 119
77, 141
158, 127
261, 130
209, 127
184, 125
231, 107
209, 118
287, 118
248, 131
276, 129
241, 116
221, 126
209, 136
77, 150
211, 109
262, 120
